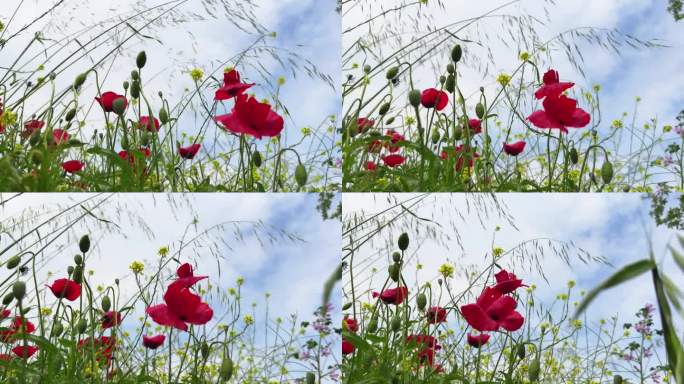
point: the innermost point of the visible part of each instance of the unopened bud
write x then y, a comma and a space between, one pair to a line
141, 60
414, 97
19, 290
456, 54
392, 73
84, 244
403, 241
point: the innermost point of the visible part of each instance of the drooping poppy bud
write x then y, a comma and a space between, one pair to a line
414, 97
607, 172
256, 159
574, 156
13, 262
392, 73
300, 175
80, 79
403, 241
70, 115
106, 304
226, 370
204, 349
479, 110
383, 109
533, 371
19, 290
421, 301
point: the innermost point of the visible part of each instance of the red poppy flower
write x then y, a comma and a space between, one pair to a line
60, 136
111, 319
31, 126
181, 307
351, 324
24, 351
475, 126
150, 125
19, 325
186, 276
393, 295
107, 101
73, 166
231, 86
395, 137
478, 340
347, 347
434, 98
393, 160
65, 289
375, 146
492, 311
436, 315
514, 149
424, 340
364, 123
250, 117
153, 342
552, 85
102, 346
190, 151
507, 282
560, 112
458, 153
371, 166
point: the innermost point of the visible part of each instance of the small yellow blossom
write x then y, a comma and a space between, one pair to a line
197, 74
137, 267
446, 270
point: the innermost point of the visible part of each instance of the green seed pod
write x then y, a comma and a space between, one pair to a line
384, 109
8, 298
310, 378
456, 54
19, 290
205, 350
574, 156
392, 73
435, 136
78, 259
450, 84
607, 172
372, 325
106, 304
421, 301
451, 68
81, 326
403, 241
77, 275
521, 351
36, 157
80, 79
393, 271
390, 120
396, 323
367, 68
119, 106
163, 116
396, 257
57, 329
227, 368
414, 97
70, 114
479, 110
617, 379
301, 175
84, 244
13, 262
141, 60
533, 371
256, 159
135, 89
346, 306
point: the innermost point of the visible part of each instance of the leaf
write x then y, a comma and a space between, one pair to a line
678, 258
627, 273
673, 293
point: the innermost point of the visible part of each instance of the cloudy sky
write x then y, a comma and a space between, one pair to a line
612, 226
293, 272
652, 74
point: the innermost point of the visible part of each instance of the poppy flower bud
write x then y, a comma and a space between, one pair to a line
70, 270
520, 350
366, 69
396, 256
205, 350
346, 306
84, 244
403, 241
393, 271
19, 290
372, 325
442, 79
414, 97
135, 75
8, 298
450, 84
396, 323
70, 114
384, 109
135, 90
13, 262
533, 371
119, 106
421, 301
607, 172
456, 53
126, 84
141, 60
310, 378
256, 159
163, 116
77, 275
617, 379
78, 259
479, 110
390, 120
80, 79
574, 156
226, 370
57, 329
435, 136
81, 326
392, 73
106, 304
450, 68
300, 175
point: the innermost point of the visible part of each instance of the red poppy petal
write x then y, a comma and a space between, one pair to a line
477, 318
580, 118
203, 313
541, 119
513, 321
163, 316
502, 307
